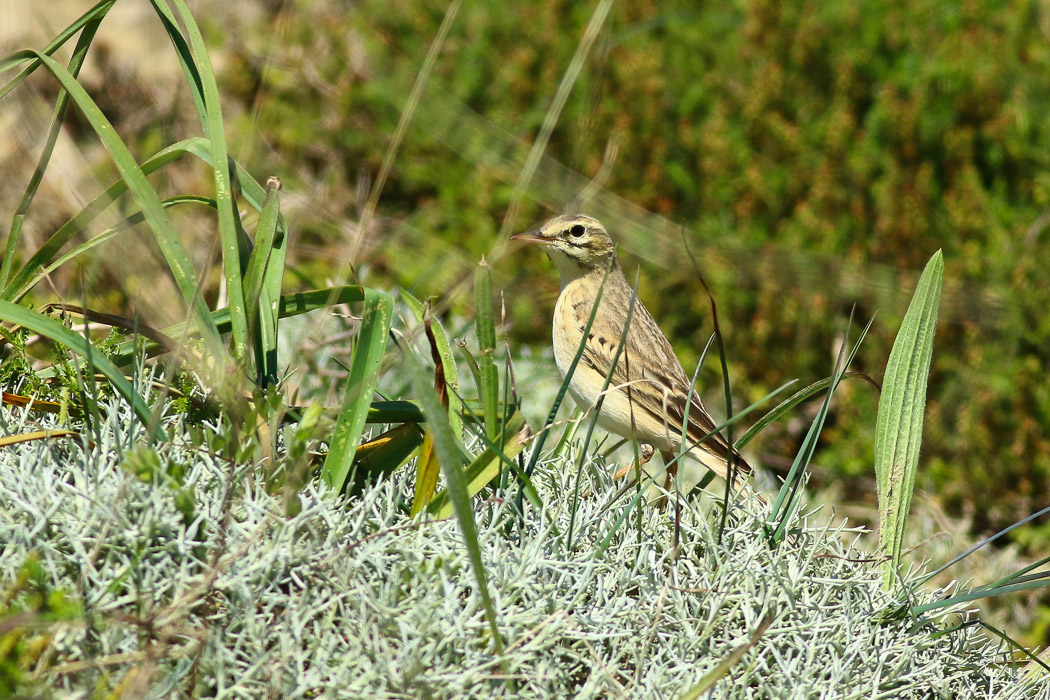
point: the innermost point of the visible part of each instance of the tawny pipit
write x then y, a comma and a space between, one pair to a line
648, 380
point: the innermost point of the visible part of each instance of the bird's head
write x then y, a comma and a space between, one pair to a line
575, 243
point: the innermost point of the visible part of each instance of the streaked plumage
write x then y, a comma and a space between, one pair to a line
648, 376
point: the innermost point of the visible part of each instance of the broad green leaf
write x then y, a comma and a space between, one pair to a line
898, 430
364, 370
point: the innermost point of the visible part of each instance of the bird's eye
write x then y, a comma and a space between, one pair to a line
577, 230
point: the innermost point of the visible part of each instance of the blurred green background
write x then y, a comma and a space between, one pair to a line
813, 154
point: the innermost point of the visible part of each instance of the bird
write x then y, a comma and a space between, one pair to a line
649, 392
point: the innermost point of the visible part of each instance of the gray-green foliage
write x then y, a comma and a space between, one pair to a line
226, 595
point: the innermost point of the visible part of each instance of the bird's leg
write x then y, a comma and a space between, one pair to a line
670, 481
647, 451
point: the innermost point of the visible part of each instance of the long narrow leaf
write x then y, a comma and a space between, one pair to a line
789, 492
898, 429
261, 314
96, 12
450, 456
110, 233
448, 362
364, 370
486, 329
228, 235
486, 466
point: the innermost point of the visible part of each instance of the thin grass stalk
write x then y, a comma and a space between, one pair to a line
55, 331
6, 64
402, 124
110, 233
553, 114
730, 454
485, 327
651, 478
566, 380
258, 306
790, 489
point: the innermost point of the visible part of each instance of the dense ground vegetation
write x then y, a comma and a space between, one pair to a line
815, 154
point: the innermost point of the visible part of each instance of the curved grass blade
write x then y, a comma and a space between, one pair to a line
898, 428
178, 261
260, 311
451, 457
789, 403
486, 466
291, 304
61, 106
228, 234
788, 495
53, 330
185, 56
248, 187
95, 13
364, 370
448, 361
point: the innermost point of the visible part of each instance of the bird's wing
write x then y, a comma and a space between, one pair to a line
658, 385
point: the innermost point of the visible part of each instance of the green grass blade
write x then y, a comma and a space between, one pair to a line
291, 304
54, 330
178, 261
486, 466
448, 361
260, 311
787, 404
228, 235
185, 56
451, 458
789, 492
364, 370
97, 12
560, 397
61, 106
898, 429
983, 543
485, 326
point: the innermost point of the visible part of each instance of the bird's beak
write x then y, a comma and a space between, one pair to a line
533, 237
